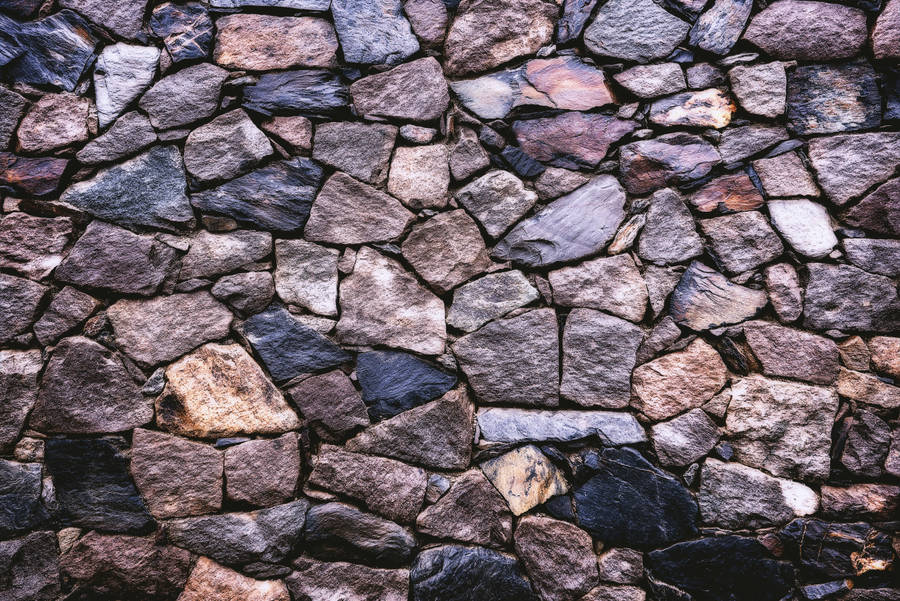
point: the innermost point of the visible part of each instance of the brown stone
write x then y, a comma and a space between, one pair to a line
414, 91
210, 581
879, 211
704, 108
176, 477
265, 42
330, 404
886, 33
467, 157
428, 19
784, 176
33, 246
783, 288
278, 459
790, 353
669, 159
609, 592
32, 176
611, 284
558, 556
727, 194
571, 140
54, 121
420, 176
854, 353
861, 501
69, 309
361, 150
315, 579
742, 241
761, 89
621, 565
867, 389
885, 355
525, 478
294, 131
848, 165
705, 299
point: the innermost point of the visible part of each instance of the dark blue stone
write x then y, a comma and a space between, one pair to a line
525, 166
20, 497
393, 382
186, 30
456, 573
314, 91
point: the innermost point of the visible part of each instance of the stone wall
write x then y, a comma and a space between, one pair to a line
442, 300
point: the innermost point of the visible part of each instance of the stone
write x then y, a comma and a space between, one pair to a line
210, 580
471, 511
267, 535
177, 477
848, 298
489, 297
393, 382
575, 15
634, 30
790, 353
93, 487
54, 121
19, 372
293, 131
674, 158
13, 108
131, 133
783, 288
214, 254
19, 303
806, 30
742, 241
501, 424
20, 498
148, 191
287, 347
122, 73
785, 175
266, 42
123, 19
834, 98
805, 225
669, 236
599, 353
650, 81
330, 404
721, 567
314, 579
246, 293
467, 157
525, 477
703, 108
276, 197
428, 19
866, 446
69, 309
558, 557
885, 39
849, 165
154, 331
436, 435
621, 565
627, 501
114, 260
340, 531
186, 30
189, 95
861, 501
496, 200
572, 227
719, 27
739, 143
705, 299
373, 33
868, 389
781, 427
31, 176
455, 573
115, 564
310, 5
228, 146
854, 353
678, 381
361, 150
727, 194
684, 439
313, 90
663, 336
572, 139
521, 164
413, 91
31, 566
306, 275
886, 355
420, 176
875, 256
33, 246
513, 360
386, 486
86, 389
484, 35
879, 211
278, 459
892, 461
383, 304
760, 89
347, 211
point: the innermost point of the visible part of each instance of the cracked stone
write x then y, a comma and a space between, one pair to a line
525, 477
122, 74
186, 30
719, 27
488, 298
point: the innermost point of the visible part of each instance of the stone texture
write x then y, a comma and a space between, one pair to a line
875, 256
886, 355
209, 580
669, 236
705, 299
361, 150
31, 176
294, 131
742, 241
720, 26
13, 106
54, 121
420, 176
805, 225
790, 353
867, 444
861, 501
414, 91
20, 498
278, 459
19, 302
558, 557
806, 30
785, 175
868, 389
314, 579
525, 477
19, 372
885, 36
684, 439
224, 148
611, 284
306, 274
131, 133
571, 140
31, 566
704, 108
783, 288
467, 157
318, 91
33, 246
634, 30
428, 19
497, 200
330, 404
879, 211
488, 298
123, 19
373, 32
187, 96
69, 309
650, 81
454, 573
674, 158
727, 194
500, 424
621, 565
760, 89
245, 293
848, 165
833, 98
739, 143
393, 382
211, 254
848, 298
122, 74
265, 42
340, 531
186, 30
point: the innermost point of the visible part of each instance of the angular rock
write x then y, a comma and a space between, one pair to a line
634, 30
373, 32
19, 372
703, 108
558, 556
727, 194
266, 42
650, 81
739, 143
866, 446
622, 566
19, 302
684, 439
705, 299
861, 501
20, 497
848, 165
879, 211
413, 91
663, 336
131, 133
310, 5
308, 90
805, 225
361, 150
428, 19
228, 146
574, 17
782, 427
868, 389
69, 309
31, 176
669, 236
674, 158
314, 579
420, 176
148, 190
854, 353
574, 226
720, 26
761, 89
489, 297
189, 95
571, 140
294, 131
186, 30
31, 567
497, 199
525, 477
330, 404
306, 275
209, 580
122, 73
742, 241
54, 121
790, 353
783, 288
278, 459
393, 382
123, 18
827, 99
467, 157
455, 573
848, 298
885, 36
497, 424
514, 360
13, 106
807, 30
339, 531
246, 293
875, 256
886, 355
785, 175
32, 246
213, 254
383, 304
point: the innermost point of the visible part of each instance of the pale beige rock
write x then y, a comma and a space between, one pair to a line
608, 592
867, 389
420, 176
785, 176
525, 478
306, 274
265, 42
611, 284
210, 581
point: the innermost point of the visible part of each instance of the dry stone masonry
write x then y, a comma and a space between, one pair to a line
449, 300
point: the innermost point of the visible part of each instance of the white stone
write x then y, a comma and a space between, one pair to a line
805, 225
306, 274
122, 73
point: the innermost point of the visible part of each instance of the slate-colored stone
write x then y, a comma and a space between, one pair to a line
19, 302
874, 255
501, 424
705, 299
634, 30
228, 146
186, 96
849, 165
650, 81
866, 446
413, 91
31, 176
185, 29
684, 439
675, 158
454, 573
361, 150
68, 309
669, 236
123, 18
13, 107
879, 211
19, 372
131, 133
266, 42
373, 32
20, 497
719, 27
393, 382
307, 90
833, 98
122, 73
496, 200
489, 297
210, 254
575, 15
340, 531
848, 298
739, 143
330, 404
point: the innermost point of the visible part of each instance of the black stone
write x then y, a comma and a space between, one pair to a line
732, 568
314, 91
93, 486
629, 502
22, 9
455, 573
287, 347
891, 81
575, 15
186, 30
825, 99
393, 382
20, 497
339, 532
277, 197
524, 166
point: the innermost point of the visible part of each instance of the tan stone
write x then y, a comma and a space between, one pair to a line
525, 478
886, 355
611, 284
54, 121
420, 176
855, 354
210, 581
295, 131
867, 389
265, 42
558, 556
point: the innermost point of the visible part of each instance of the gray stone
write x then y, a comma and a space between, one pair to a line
393, 382
719, 27
739, 143
742, 241
246, 293
685, 439
621, 565
669, 236
373, 32
226, 147
650, 81
761, 89
33, 246
413, 91
184, 97
661, 281
19, 372
69, 309
807, 30
790, 353
211, 254
847, 298
555, 181
315, 91
635, 30
123, 18
705, 299
500, 424
428, 19
278, 458
20, 497
340, 531
330, 404
875, 256
848, 165
833, 98
53, 122
866, 446
131, 133
312, 579
674, 158
361, 150
19, 302
497, 200
32, 567
489, 297
784, 176
122, 73
467, 157
785, 294
663, 335
306, 274
420, 176
13, 107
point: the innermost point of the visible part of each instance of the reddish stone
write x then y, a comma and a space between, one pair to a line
32, 176
732, 192
571, 140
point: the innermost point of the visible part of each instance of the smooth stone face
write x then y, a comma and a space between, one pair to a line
457, 573
189, 95
669, 159
827, 99
32, 246
86, 389
386, 486
19, 302
727, 194
226, 147
497, 199
20, 498
484, 35
393, 382
558, 557
265, 42
742, 241
848, 298
790, 353
316, 579
420, 176
513, 360
306, 274
383, 304
719, 27
54, 121
186, 30
176, 476
783, 428
761, 89
634, 30
213, 254
629, 502
330, 404
131, 133
785, 176
361, 150
339, 531
684, 439
122, 73
31, 176
148, 190
806, 30
210, 580
93, 486
705, 299
123, 18
278, 459
19, 372
571, 140
373, 32
669, 235
489, 297
650, 81
314, 90
574, 226
414, 91
848, 165
739, 143
525, 477
498, 424
875, 256
704, 108
69, 309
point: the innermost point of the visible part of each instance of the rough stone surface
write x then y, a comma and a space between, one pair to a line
497, 199
833, 98
123, 19
32, 246
783, 288
339, 531
805, 225
131, 133
761, 89
209, 580
790, 353
278, 459
360, 150
525, 477
684, 439
558, 557
420, 176
669, 159
226, 147
54, 121
499, 424
489, 297
454, 573
742, 241
122, 73
845, 297
650, 81
330, 404
611, 284
306, 275
393, 382
19, 372
886, 355
875, 256
186, 30
314, 579
705, 299
184, 97
19, 302
784, 176
373, 32
572, 139
848, 165
415, 91
264, 42
634, 30
705, 108
720, 26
